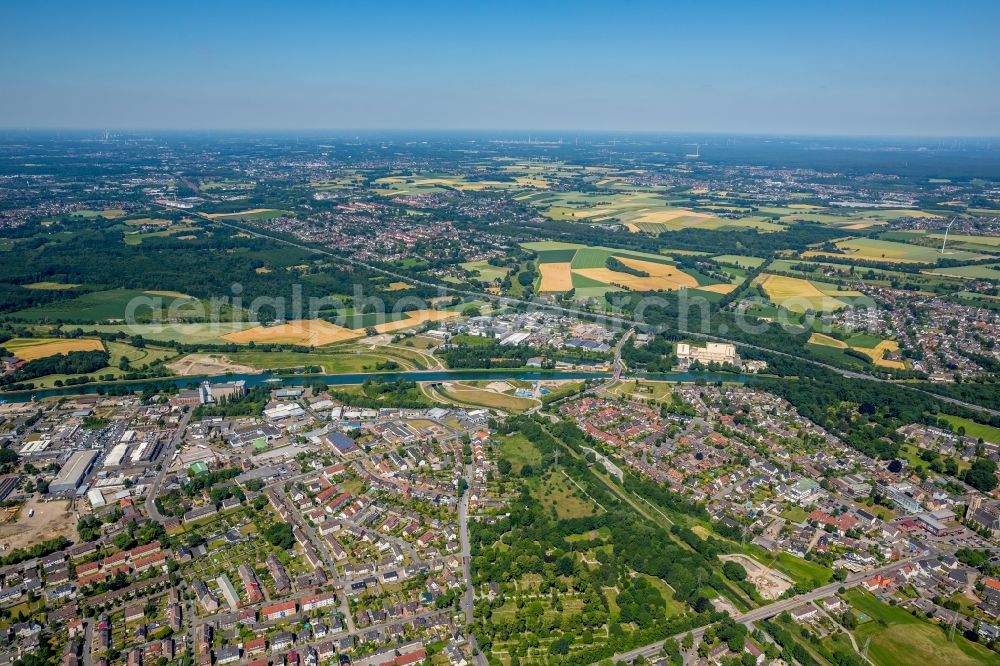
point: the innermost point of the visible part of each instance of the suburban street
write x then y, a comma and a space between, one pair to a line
768, 611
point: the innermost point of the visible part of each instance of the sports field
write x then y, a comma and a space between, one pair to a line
797, 295
307, 332
29, 349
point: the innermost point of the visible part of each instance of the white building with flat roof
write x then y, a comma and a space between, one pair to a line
712, 352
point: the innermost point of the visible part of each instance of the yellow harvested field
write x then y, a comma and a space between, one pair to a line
858, 225
719, 288
398, 286
804, 207
671, 275
309, 332
29, 349
796, 294
661, 216
556, 276
415, 318
262, 270
531, 181
169, 294
252, 211
876, 352
826, 341
662, 277
50, 286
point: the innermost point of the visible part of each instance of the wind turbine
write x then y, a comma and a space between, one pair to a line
696, 149
946, 230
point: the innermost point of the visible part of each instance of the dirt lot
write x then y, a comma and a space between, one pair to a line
51, 519
208, 364
770, 584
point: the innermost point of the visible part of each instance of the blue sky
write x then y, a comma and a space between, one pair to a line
881, 67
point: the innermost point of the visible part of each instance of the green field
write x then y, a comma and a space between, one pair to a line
487, 272
595, 257
186, 333
900, 638
973, 429
540, 246
976, 271
519, 452
95, 306
739, 260
332, 362
872, 249
138, 238
863, 340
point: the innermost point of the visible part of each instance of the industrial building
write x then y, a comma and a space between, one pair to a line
73, 472
712, 352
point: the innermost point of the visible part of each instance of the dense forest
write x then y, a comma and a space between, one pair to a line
92, 253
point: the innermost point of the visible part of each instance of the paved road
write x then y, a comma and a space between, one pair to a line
611, 319
468, 599
324, 552
766, 612
88, 642
168, 452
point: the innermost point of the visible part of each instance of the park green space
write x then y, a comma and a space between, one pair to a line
973, 429
897, 637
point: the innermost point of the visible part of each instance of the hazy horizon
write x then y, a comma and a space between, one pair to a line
893, 70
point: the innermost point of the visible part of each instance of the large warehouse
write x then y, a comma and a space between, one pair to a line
73, 472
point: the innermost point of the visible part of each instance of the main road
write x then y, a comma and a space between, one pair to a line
168, 452
612, 319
